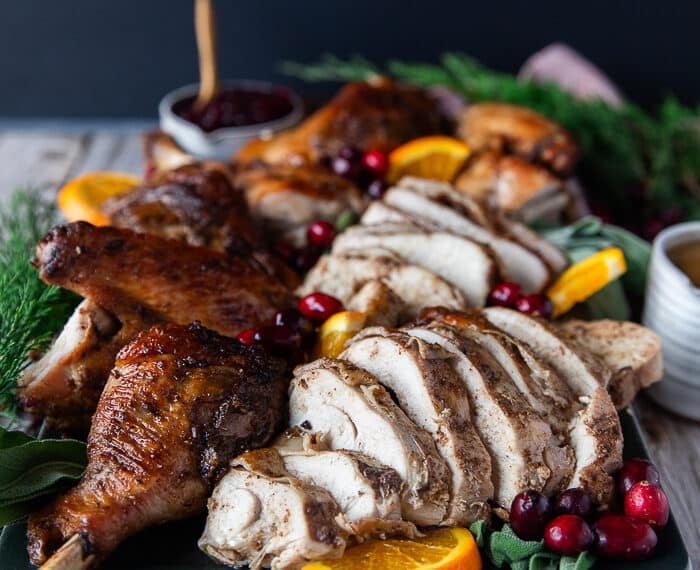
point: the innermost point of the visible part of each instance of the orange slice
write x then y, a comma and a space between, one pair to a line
82, 198
444, 549
436, 158
585, 278
336, 331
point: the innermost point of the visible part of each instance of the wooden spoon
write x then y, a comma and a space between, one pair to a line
205, 30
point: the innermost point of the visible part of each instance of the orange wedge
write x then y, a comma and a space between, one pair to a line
336, 331
82, 198
436, 158
444, 549
585, 278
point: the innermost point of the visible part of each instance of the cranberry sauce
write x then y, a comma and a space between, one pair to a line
236, 107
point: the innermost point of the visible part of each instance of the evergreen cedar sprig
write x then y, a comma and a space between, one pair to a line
31, 312
641, 169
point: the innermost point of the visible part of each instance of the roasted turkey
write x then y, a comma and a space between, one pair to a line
132, 281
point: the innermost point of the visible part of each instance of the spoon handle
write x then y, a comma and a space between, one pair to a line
205, 29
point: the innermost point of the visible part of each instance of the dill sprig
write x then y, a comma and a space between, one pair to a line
31, 312
643, 169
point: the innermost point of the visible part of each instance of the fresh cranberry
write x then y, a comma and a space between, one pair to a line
293, 319
347, 163
536, 305
624, 538
568, 535
319, 306
635, 470
247, 336
320, 233
647, 502
652, 228
574, 502
376, 162
280, 338
529, 513
377, 188
504, 294
307, 257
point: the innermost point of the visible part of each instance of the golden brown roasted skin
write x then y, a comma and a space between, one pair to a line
180, 403
197, 204
141, 280
287, 198
137, 275
521, 131
378, 115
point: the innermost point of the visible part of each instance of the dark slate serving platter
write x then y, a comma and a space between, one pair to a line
174, 545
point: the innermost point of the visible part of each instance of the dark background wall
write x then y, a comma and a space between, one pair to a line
87, 58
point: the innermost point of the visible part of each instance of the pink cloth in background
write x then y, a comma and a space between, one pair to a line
561, 64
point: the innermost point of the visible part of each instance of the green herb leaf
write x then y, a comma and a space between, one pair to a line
478, 529
31, 312
504, 546
32, 468
583, 561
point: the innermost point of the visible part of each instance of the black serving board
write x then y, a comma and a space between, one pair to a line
174, 545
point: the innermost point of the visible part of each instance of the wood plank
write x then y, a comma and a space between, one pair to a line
675, 446
39, 159
111, 151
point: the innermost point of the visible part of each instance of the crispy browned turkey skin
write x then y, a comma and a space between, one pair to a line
133, 275
141, 280
197, 204
179, 404
379, 115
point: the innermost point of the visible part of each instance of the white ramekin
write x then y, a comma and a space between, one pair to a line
672, 309
221, 144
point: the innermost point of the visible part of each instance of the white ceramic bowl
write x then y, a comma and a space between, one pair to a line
672, 309
221, 144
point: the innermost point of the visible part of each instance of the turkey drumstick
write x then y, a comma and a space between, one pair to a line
179, 404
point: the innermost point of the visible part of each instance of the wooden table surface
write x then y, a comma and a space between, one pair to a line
45, 155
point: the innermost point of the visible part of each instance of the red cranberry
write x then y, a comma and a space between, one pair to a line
568, 535
377, 188
529, 513
320, 233
246, 337
319, 306
280, 338
536, 305
504, 294
307, 257
574, 502
376, 162
624, 538
647, 502
293, 319
347, 163
635, 470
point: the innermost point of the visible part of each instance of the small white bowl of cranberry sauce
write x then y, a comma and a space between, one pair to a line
241, 111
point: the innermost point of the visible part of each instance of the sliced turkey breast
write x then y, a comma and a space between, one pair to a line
367, 492
464, 263
548, 252
380, 213
579, 368
343, 274
631, 351
261, 516
517, 263
422, 378
514, 435
543, 390
379, 302
596, 434
354, 412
